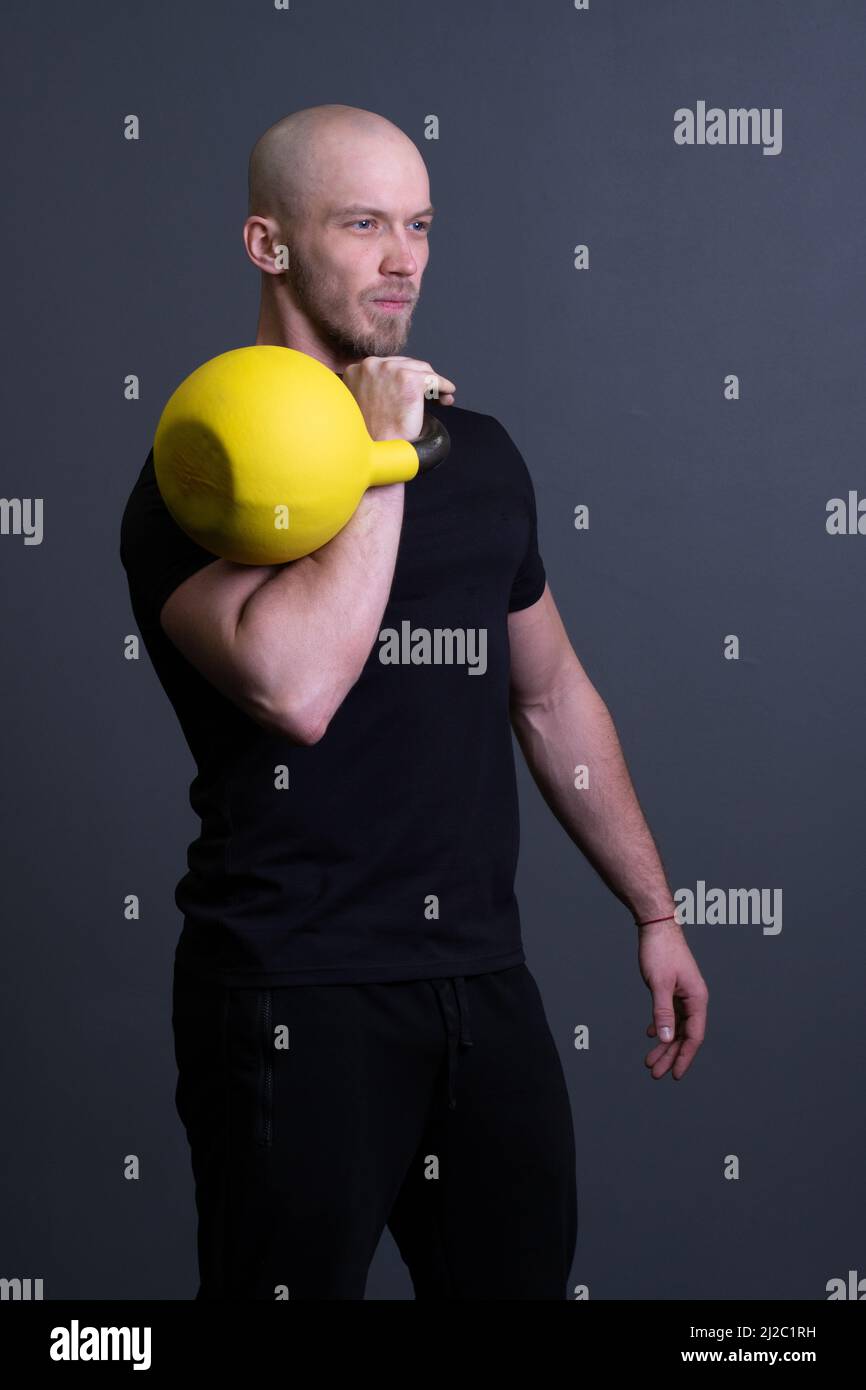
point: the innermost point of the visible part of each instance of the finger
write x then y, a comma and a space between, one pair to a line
688, 1050
661, 1053
435, 387
435, 384
678, 1057
664, 1017
693, 1030
667, 1051
431, 376
663, 1064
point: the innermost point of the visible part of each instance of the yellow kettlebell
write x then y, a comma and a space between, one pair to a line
262, 455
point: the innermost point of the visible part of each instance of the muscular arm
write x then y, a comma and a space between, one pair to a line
561, 721
287, 642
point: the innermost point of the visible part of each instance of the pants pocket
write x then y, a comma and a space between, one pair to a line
265, 1040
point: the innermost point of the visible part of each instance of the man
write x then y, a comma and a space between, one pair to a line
359, 1040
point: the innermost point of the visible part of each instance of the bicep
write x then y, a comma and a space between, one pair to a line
201, 618
541, 653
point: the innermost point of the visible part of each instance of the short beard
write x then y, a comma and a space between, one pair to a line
342, 343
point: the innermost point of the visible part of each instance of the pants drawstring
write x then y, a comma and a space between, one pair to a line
455, 1011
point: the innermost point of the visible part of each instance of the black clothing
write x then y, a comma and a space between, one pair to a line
387, 850
317, 1115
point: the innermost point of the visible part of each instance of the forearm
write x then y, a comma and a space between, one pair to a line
307, 632
573, 727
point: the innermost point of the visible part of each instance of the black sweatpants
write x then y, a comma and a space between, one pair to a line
319, 1114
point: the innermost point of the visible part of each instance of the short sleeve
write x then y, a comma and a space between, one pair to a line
155, 552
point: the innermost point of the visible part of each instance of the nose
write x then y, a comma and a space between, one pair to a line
398, 258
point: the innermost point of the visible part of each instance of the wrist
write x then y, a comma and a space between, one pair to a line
648, 913
657, 923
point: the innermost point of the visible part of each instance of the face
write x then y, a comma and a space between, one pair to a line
356, 260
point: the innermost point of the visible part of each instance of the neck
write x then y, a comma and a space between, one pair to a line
282, 325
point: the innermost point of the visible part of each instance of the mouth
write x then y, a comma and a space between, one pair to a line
391, 306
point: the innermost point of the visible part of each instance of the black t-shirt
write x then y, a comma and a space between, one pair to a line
387, 850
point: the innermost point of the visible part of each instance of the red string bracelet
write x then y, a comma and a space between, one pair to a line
670, 918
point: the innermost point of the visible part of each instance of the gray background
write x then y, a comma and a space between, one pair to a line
707, 518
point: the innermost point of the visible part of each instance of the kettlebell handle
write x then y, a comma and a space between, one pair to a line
432, 445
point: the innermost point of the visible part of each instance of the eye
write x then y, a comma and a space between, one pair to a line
360, 220
425, 226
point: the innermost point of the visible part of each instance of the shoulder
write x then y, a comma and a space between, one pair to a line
147, 522
465, 421
144, 502
480, 431
155, 552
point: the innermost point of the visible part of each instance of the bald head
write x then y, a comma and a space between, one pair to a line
293, 164
338, 222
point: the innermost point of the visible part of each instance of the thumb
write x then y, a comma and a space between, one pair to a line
663, 1014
